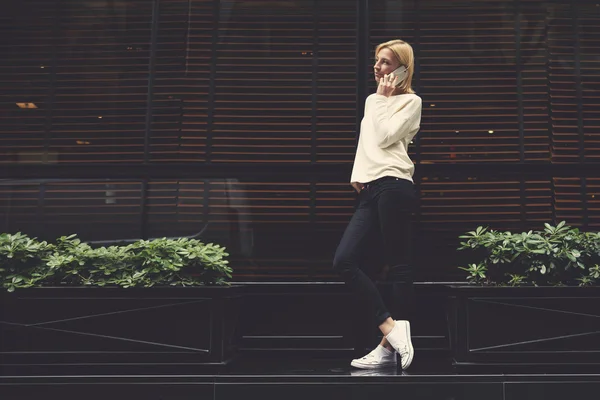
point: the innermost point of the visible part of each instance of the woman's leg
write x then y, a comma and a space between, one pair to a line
347, 262
395, 207
355, 244
396, 204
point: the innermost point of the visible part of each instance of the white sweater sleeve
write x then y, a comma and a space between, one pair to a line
391, 125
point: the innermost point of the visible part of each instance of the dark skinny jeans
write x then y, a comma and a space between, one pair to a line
384, 210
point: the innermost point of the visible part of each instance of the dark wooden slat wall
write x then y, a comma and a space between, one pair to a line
260, 89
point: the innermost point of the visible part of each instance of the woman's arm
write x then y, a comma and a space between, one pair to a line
396, 124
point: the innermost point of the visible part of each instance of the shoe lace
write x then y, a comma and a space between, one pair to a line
403, 350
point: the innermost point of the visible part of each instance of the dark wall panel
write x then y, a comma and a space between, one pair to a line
236, 122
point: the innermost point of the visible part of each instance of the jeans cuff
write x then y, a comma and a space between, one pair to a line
382, 317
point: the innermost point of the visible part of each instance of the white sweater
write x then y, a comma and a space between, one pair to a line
386, 130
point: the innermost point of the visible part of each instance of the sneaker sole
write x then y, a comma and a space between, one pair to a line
411, 352
359, 365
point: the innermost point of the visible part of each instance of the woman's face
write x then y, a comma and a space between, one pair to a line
385, 63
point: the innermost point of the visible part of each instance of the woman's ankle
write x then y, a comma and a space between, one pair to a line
386, 327
384, 343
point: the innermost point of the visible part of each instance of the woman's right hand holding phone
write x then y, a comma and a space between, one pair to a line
387, 85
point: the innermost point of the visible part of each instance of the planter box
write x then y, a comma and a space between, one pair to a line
115, 330
510, 329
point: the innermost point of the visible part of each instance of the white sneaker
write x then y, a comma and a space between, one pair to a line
399, 338
380, 357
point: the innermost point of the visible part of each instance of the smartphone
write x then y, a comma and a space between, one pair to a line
401, 73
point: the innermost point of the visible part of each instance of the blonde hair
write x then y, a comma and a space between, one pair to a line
404, 53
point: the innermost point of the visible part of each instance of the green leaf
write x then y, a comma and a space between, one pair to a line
143, 263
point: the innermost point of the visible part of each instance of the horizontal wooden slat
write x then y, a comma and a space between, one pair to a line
589, 45
569, 200
334, 204
537, 133
181, 87
538, 204
335, 108
25, 77
263, 83
95, 210
260, 202
593, 203
176, 207
19, 206
562, 85
468, 83
102, 57
471, 201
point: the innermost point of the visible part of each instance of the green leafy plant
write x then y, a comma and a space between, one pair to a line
26, 262
21, 258
557, 255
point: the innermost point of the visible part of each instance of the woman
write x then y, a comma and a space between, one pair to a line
382, 176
